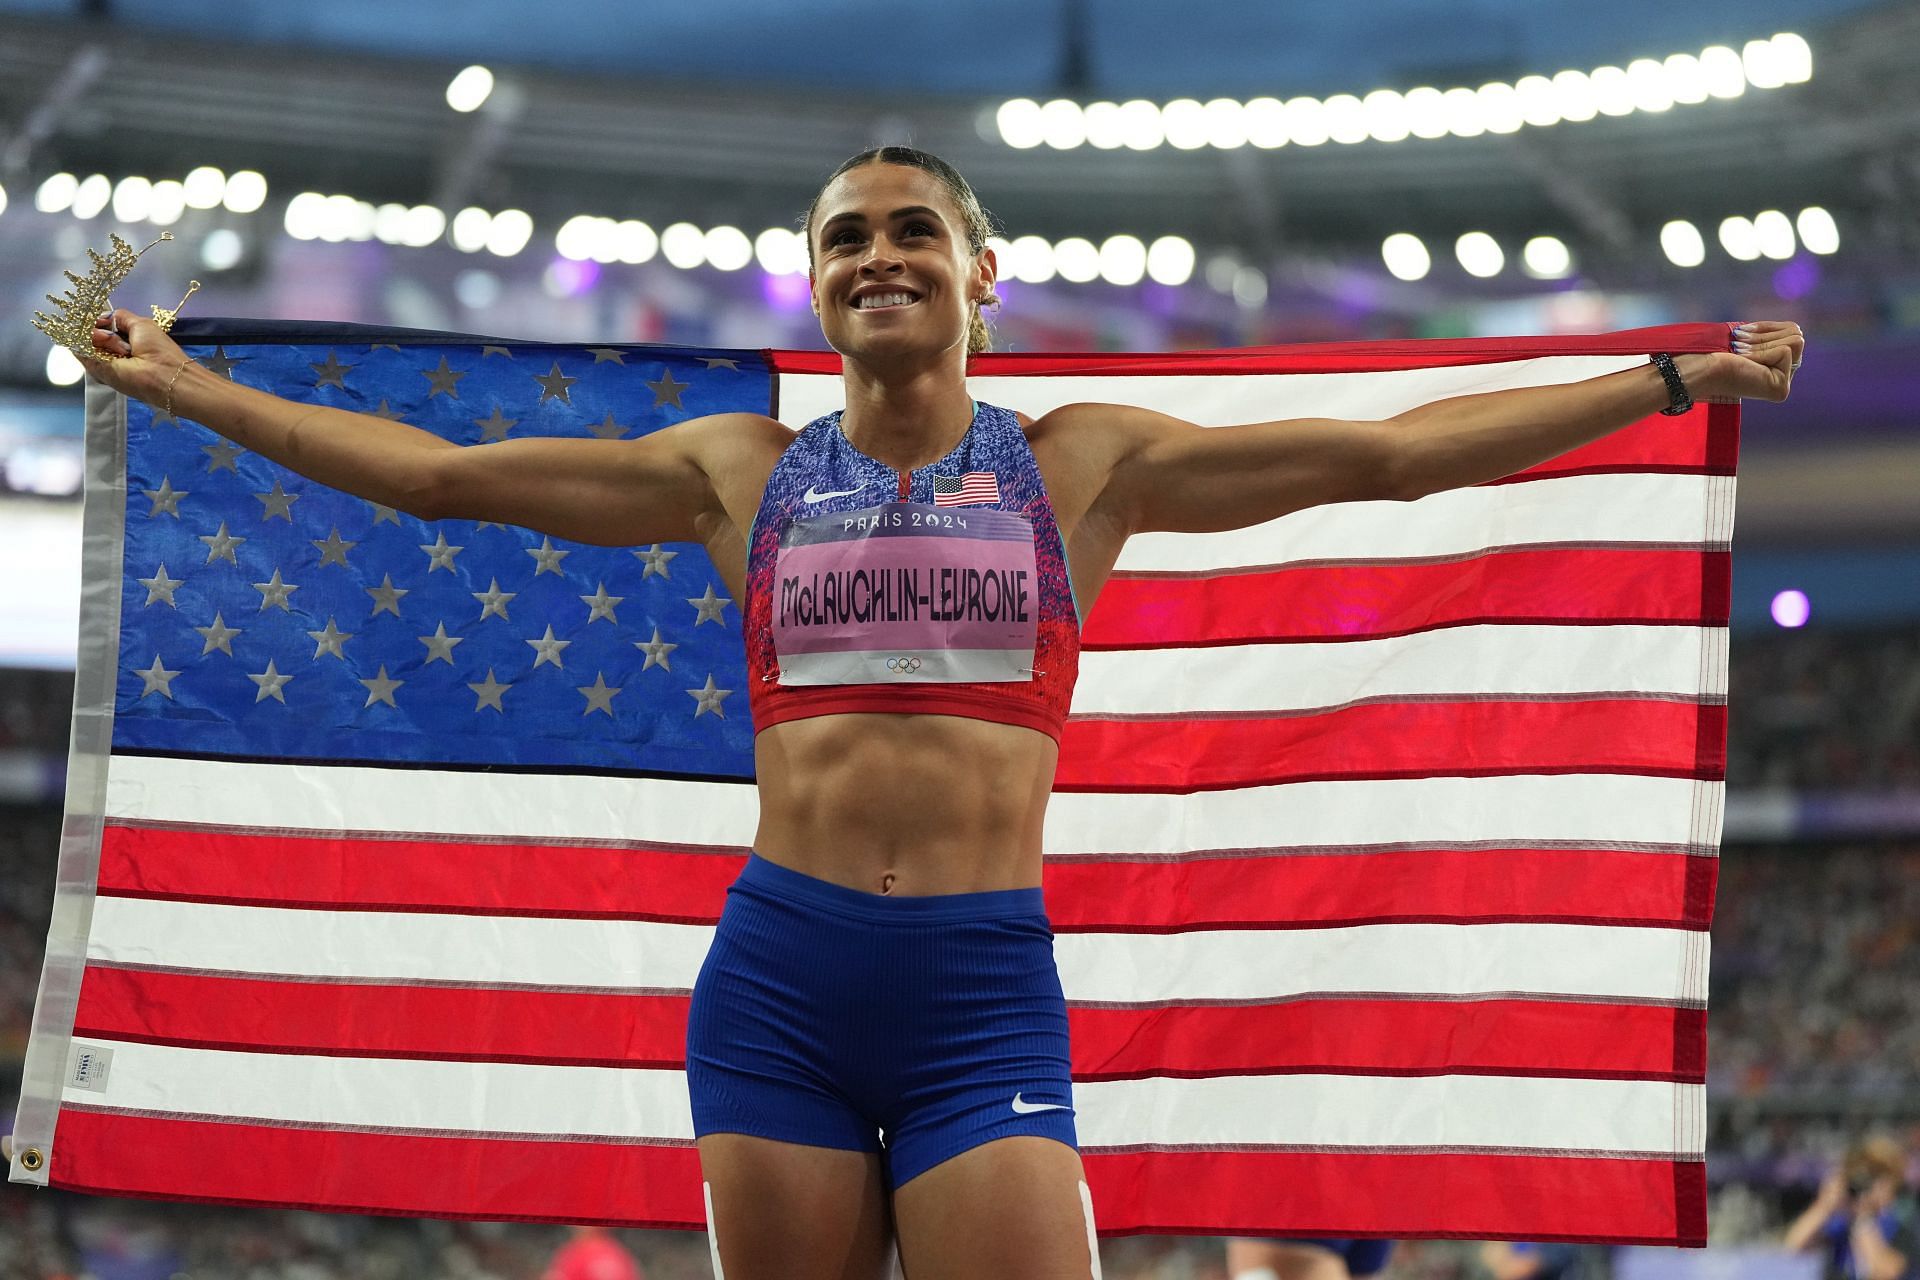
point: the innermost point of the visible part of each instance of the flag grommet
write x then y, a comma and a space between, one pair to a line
32, 1159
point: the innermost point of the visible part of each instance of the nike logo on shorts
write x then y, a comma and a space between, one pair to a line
1028, 1108
814, 495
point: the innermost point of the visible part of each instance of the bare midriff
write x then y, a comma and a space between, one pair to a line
905, 804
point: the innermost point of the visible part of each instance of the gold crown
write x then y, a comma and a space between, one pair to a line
83, 304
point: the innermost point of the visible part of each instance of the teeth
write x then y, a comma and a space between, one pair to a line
874, 300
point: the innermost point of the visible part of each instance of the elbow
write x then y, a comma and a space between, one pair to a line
424, 491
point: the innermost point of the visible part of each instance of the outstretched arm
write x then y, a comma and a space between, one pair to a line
1173, 476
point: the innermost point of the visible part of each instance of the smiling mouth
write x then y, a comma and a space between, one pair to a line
884, 301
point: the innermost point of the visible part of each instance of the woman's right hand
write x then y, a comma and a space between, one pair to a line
149, 358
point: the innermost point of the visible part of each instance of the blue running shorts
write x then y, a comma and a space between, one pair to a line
915, 1027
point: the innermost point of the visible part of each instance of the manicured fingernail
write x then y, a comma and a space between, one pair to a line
1744, 348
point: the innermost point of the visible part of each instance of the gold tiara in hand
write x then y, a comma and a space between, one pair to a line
89, 298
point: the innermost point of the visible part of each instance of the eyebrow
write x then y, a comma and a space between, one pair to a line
909, 211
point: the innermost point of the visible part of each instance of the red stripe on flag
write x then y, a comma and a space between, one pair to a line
1577, 886
1375, 600
517, 1179
1691, 443
1391, 1193
1392, 1037
1356, 1036
1182, 754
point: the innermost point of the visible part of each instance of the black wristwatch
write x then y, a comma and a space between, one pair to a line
1678, 401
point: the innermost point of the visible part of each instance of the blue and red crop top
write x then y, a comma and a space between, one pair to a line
940, 591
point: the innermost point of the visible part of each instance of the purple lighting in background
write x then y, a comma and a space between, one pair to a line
1790, 609
570, 278
786, 292
1797, 278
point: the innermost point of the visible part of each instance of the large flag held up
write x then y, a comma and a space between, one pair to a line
1381, 860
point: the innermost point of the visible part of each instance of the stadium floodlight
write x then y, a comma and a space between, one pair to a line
1818, 231
1791, 608
1725, 74
1538, 100
206, 187
1795, 57
167, 203
1763, 64
1106, 125
245, 192
1652, 86
779, 252
304, 214
1226, 124
1306, 121
3, 199
1739, 239
132, 198
222, 249
1346, 119
1185, 123
1464, 116
1018, 120
390, 223
1063, 124
634, 242
1170, 260
1612, 90
1250, 287
92, 196
728, 248
1266, 122
1547, 258
1479, 254
1500, 108
1686, 80
1680, 240
469, 229
1123, 259
1574, 97
1141, 126
55, 193
1427, 112
470, 89
1406, 257
682, 245
63, 367
1077, 260
1774, 232
1030, 258
509, 232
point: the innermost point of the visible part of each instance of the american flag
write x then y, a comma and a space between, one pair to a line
963, 491
1381, 857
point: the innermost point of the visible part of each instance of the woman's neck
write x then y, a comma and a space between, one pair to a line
906, 423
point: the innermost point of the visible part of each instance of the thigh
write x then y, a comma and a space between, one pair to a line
781, 1211
1012, 1209
1284, 1259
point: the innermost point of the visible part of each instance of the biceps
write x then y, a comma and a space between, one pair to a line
606, 492
1208, 479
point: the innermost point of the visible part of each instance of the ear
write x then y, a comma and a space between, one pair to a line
813, 299
987, 271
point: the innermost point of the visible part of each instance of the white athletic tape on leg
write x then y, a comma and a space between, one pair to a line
713, 1234
1257, 1273
1093, 1238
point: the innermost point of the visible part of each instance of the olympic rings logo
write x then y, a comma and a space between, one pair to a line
903, 664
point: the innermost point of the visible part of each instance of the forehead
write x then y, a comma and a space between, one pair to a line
876, 190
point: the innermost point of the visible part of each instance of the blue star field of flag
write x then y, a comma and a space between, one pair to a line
265, 616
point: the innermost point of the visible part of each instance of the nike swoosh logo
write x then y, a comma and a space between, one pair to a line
1028, 1108
814, 495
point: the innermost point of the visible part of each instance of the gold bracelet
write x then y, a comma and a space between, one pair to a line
175, 378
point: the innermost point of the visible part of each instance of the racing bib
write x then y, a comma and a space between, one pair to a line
906, 592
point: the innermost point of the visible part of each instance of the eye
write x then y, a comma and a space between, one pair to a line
918, 228
844, 236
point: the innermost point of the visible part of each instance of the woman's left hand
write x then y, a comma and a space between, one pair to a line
1760, 367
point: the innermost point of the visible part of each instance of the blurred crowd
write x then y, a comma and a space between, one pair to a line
1825, 710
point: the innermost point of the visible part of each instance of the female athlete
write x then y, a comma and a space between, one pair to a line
878, 1044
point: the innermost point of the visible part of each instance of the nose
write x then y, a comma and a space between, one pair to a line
882, 258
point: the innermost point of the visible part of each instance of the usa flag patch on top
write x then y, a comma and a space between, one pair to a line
966, 490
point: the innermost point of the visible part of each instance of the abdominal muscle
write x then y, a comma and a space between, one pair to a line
910, 805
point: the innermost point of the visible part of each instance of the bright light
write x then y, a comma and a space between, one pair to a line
222, 249
1226, 124
1140, 125
1818, 231
1479, 254
390, 223
63, 367
1306, 121
1775, 234
1686, 81
1170, 260
634, 242
1763, 64
1405, 256
132, 197
1500, 108
1652, 89
1220, 272
466, 91
1461, 108
3, 199
1539, 101
470, 228
584, 237
423, 226
1612, 91
728, 248
1547, 258
509, 232
780, 252
1346, 119
1123, 260
1185, 122
682, 245
1266, 121
1063, 124
1725, 75
1426, 110
246, 192
92, 196
1794, 58
1574, 97
1791, 608
339, 219
476, 290
305, 214
1029, 258
1019, 123
1739, 239
168, 202
206, 187
1680, 241
1076, 259
1106, 125
1250, 287
56, 193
